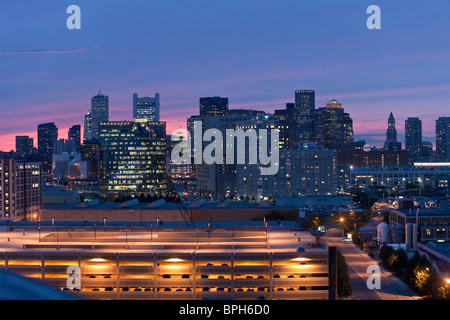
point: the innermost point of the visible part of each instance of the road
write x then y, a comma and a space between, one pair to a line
391, 287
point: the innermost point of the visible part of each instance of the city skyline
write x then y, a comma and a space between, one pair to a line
255, 56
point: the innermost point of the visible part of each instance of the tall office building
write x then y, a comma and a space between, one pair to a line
87, 128
20, 189
146, 107
99, 113
213, 107
413, 137
286, 125
74, 134
304, 112
218, 180
391, 142
333, 127
47, 136
24, 146
443, 139
133, 157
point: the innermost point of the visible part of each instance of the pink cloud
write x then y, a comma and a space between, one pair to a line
47, 51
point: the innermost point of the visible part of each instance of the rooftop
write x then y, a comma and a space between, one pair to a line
162, 205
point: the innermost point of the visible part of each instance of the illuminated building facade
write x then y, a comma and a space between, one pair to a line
24, 146
133, 157
87, 130
286, 125
443, 139
413, 137
146, 107
305, 171
213, 107
99, 113
20, 189
333, 127
304, 110
222, 264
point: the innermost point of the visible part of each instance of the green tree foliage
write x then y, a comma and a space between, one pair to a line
313, 221
418, 272
344, 287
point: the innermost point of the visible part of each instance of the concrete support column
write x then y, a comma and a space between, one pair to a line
332, 273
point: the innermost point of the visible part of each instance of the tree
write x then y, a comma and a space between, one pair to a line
313, 221
344, 287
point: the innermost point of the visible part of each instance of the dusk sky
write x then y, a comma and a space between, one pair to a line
256, 53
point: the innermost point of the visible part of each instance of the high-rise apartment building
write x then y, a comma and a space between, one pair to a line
307, 170
47, 136
99, 113
132, 157
24, 146
443, 138
146, 107
413, 137
213, 107
333, 127
20, 189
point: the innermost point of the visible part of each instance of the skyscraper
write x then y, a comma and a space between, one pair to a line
99, 112
47, 136
413, 137
87, 130
333, 127
75, 135
391, 142
286, 125
213, 107
443, 139
146, 107
304, 112
24, 146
